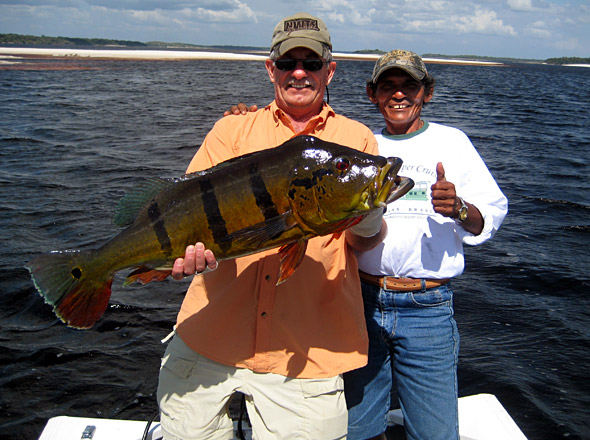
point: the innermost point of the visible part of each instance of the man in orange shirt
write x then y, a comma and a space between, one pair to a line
284, 347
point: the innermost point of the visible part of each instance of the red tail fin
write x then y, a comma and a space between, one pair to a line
79, 295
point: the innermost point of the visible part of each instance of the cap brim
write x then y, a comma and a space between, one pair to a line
418, 75
308, 43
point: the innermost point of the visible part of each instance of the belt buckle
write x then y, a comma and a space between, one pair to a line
383, 283
394, 285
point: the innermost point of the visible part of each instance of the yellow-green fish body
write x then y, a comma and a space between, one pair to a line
279, 197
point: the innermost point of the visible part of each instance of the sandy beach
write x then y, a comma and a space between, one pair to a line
13, 55
127, 54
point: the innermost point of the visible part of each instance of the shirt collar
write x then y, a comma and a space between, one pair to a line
314, 123
401, 137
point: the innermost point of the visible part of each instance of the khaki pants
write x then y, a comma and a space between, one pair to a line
194, 391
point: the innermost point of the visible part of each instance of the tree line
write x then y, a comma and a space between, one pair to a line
568, 60
31, 40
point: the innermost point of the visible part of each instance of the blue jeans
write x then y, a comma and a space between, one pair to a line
412, 337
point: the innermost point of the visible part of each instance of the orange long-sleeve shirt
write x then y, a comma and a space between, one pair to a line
310, 326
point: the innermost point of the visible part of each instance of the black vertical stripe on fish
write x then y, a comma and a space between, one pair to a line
214, 218
159, 228
261, 195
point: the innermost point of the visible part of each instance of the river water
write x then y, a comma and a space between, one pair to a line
75, 139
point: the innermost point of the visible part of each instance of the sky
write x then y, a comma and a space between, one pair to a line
528, 29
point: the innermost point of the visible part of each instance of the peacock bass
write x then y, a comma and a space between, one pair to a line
278, 197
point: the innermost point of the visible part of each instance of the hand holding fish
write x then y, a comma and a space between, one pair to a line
370, 225
197, 260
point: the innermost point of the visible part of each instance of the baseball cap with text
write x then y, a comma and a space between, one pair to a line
300, 30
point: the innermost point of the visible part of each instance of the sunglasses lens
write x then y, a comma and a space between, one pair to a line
285, 64
312, 65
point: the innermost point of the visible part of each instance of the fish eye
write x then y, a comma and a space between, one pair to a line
342, 163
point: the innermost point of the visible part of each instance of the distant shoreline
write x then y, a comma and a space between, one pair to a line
19, 58
140, 54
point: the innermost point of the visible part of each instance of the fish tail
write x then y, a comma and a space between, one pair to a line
70, 282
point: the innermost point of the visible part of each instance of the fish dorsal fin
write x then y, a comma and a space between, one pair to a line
133, 202
258, 234
190, 176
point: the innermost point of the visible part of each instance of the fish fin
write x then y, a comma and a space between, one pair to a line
260, 233
347, 223
144, 275
137, 198
66, 281
291, 257
192, 175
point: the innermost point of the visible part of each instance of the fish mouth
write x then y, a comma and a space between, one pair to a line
401, 188
387, 186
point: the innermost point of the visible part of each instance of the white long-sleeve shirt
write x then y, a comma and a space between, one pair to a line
421, 243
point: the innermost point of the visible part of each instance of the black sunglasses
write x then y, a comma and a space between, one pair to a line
311, 65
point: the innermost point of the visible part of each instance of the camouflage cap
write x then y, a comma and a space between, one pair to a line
401, 59
300, 30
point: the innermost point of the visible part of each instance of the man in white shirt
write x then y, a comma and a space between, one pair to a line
406, 279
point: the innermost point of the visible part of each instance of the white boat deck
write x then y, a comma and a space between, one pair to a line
481, 417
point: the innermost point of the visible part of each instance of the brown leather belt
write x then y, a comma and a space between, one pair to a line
402, 284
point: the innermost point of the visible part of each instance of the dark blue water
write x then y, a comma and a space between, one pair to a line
72, 142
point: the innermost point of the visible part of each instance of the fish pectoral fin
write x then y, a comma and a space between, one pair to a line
145, 275
347, 223
291, 257
258, 234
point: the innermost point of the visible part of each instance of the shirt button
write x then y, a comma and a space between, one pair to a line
263, 314
267, 278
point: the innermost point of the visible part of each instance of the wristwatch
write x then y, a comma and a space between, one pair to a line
462, 214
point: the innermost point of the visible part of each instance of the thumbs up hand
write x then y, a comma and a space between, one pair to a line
444, 195
440, 173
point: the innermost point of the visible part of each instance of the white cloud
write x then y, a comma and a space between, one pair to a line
481, 22
539, 29
520, 5
488, 22
152, 17
570, 44
344, 11
584, 15
238, 12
